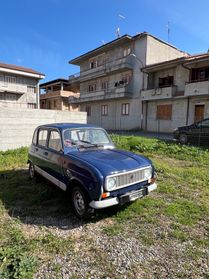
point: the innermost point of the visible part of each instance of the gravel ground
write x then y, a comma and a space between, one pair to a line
98, 255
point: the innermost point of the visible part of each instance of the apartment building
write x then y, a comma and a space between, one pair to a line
19, 86
176, 94
55, 95
111, 79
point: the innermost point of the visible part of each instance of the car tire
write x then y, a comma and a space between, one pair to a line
183, 139
32, 173
80, 203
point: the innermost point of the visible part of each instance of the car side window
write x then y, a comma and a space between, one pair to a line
42, 137
34, 141
55, 140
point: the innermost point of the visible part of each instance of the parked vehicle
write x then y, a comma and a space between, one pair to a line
197, 132
82, 160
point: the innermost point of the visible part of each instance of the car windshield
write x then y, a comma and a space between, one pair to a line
85, 137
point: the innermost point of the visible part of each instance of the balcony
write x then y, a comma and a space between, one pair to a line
56, 94
159, 93
13, 88
119, 92
122, 63
197, 88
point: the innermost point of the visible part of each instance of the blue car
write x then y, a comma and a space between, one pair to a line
82, 160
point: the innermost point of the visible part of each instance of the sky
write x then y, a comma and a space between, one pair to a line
45, 34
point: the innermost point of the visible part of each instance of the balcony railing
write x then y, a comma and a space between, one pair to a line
112, 92
13, 88
109, 66
159, 93
197, 88
58, 93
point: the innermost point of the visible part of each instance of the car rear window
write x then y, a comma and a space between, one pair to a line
42, 137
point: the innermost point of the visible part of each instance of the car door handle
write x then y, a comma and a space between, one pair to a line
45, 153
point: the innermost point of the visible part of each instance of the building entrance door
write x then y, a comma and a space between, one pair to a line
199, 113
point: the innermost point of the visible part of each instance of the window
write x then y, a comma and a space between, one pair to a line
125, 109
55, 141
199, 74
93, 63
42, 137
166, 81
92, 87
9, 79
88, 110
126, 78
104, 85
126, 51
10, 97
30, 89
164, 112
104, 110
31, 105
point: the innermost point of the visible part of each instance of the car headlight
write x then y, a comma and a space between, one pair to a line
110, 183
148, 173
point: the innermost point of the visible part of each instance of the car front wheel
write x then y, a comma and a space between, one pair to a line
183, 139
80, 203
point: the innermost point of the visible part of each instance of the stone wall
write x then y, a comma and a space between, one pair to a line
17, 125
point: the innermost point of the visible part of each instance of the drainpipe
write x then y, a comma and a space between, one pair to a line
38, 97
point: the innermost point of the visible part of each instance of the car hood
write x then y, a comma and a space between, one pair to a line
110, 161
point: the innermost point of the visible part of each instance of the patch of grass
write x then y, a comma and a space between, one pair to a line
13, 159
185, 212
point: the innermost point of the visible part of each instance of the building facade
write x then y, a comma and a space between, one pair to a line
55, 95
19, 86
176, 94
111, 79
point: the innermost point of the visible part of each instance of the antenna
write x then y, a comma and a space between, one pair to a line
117, 32
168, 31
121, 16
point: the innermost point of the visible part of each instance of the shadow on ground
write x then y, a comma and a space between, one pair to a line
38, 202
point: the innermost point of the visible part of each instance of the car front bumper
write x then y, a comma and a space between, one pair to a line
128, 197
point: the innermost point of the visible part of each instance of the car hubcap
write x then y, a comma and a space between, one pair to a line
79, 203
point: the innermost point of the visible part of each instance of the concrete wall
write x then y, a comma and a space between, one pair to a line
17, 126
114, 120
157, 51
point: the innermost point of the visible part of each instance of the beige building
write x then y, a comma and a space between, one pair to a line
19, 86
111, 79
176, 94
55, 95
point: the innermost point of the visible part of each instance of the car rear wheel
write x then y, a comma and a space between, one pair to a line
183, 139
32, 173
80, 203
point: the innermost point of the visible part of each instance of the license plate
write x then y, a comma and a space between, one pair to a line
136, 195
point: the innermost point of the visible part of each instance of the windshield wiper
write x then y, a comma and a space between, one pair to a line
90, 144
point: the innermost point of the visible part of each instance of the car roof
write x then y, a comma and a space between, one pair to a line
62, 126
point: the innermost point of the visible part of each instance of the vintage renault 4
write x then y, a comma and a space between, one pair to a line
82, 160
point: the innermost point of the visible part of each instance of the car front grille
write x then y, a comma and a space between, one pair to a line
129, 178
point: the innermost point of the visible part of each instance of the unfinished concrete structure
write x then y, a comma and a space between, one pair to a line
55, 95
19, 86
111, 79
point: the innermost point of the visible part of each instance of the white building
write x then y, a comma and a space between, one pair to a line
111, 79
19, 86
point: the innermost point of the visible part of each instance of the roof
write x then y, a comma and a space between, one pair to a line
54, 81
122, 39
20, 69
62, 126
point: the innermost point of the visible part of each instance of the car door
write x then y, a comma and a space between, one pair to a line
54, 158
40, 150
